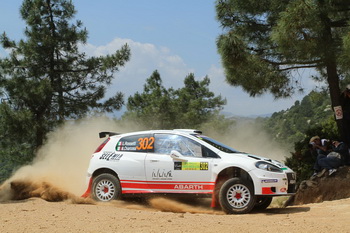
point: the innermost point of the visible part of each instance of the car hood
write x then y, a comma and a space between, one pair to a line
253, 158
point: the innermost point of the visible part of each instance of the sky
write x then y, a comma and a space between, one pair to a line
175, 37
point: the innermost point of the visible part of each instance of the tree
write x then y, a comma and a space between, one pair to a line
161, 108
16, 146
265, 41
195, 103
46, 78
154, 107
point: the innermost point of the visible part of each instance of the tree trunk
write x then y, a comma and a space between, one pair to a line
334, 90
331, 65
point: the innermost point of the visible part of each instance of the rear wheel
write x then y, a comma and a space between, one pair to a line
237, 196
106, 187
262, 203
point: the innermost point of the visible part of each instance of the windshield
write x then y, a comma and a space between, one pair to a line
216, 144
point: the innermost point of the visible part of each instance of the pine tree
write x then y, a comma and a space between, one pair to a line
154, 107
265, 43
196, 103
187, 107
47, 79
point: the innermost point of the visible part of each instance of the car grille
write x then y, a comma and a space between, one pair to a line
291, 182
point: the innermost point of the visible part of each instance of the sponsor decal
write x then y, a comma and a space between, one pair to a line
191, 166
161, 175
177, 165
189, 186
126, 146
283, 190
111, 156
142, 144
159, 186
269, 181
145, 143
338, 112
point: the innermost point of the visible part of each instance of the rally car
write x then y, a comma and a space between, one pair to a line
184, 161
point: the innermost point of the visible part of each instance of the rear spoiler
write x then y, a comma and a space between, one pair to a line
190, 131
104, 134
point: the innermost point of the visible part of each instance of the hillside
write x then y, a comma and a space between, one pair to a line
290, 125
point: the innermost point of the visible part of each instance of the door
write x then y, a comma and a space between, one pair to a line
131, 165
189, 172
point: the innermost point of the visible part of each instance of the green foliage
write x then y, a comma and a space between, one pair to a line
154, 108
47, 75
46, 80
249, 56
161, 108
15, 140
299, 30
195, 104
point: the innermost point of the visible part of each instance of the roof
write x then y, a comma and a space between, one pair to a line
188, 131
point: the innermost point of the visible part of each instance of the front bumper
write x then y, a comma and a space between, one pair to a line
275, 184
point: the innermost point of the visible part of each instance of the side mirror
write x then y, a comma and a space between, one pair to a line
177, 155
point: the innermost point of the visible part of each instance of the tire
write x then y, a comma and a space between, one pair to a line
262, 203
106, 187
237, 196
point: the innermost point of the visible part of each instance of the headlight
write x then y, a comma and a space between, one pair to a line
268, 167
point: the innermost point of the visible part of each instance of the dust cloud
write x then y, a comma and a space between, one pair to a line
250, 138
64, 159
26, 189
58, 173
168, 205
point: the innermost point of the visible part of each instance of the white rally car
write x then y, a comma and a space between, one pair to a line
185, 162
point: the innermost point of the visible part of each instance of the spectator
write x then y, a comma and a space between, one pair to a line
343, 150
320, 146
327, 159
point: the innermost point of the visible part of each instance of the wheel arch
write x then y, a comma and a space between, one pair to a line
231, 172
225, 174
104, 170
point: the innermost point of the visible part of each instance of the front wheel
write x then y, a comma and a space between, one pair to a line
237, 196
106, 187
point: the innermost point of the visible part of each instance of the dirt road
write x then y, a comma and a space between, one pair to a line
37, 215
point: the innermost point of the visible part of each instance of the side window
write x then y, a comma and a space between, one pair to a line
136, 143
165, 143
207, 153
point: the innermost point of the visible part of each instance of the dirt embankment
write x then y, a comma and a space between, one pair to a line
324, 187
